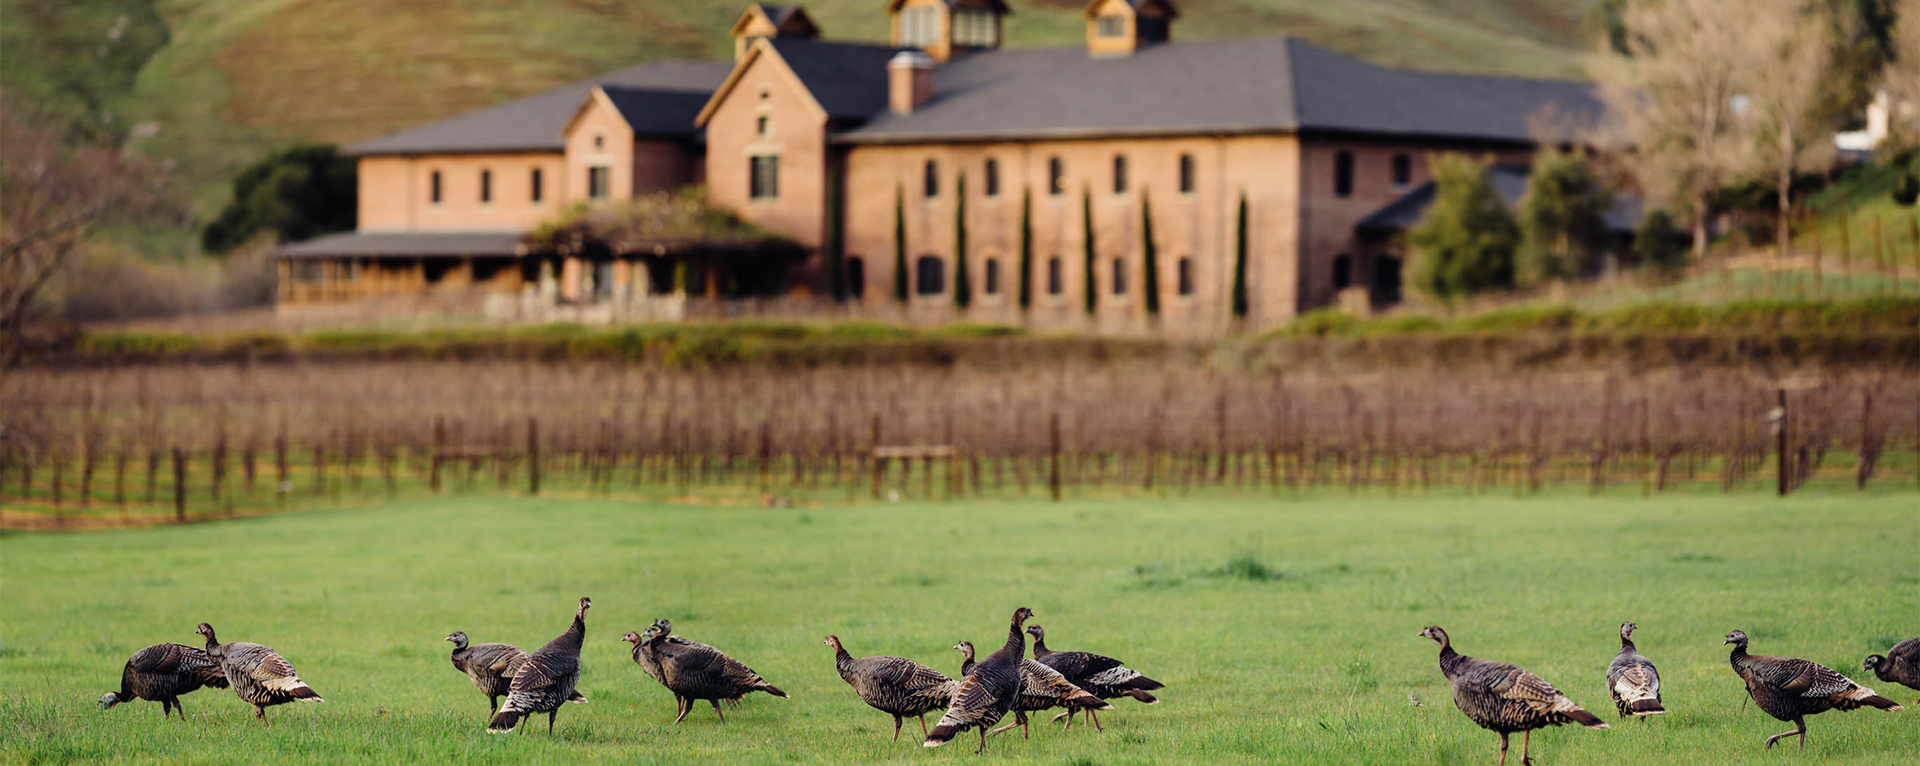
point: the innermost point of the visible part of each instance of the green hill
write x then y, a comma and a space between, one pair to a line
212, 84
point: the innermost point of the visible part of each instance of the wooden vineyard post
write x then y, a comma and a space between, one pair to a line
281, 485
1779, 418
533, 456
1053, 455
1817, 287
766, 456
179, 485
439, 446
876, 467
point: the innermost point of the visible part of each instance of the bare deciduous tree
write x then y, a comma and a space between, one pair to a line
1902, 75
1668, 101
1787, 67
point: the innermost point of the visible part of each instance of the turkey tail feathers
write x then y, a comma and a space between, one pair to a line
1586, 719
940, 735
1143, 696
504, 722
1645, 707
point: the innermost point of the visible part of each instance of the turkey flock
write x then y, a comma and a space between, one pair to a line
1497, 696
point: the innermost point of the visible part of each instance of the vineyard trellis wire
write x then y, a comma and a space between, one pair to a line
151, 443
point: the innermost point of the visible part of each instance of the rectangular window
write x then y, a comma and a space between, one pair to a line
1402, 171
486, 186
1056, 176
992, 178
1111, 26
932, 179
534, 185
1119, 276
1185, 277
920, 27
599, 181
976, 28
1343, 174
433, 187
1119, 174
1186, 174
1056, 282
993, 276
764, 180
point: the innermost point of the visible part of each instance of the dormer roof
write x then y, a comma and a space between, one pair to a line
779, 16
1167, 7
998, 6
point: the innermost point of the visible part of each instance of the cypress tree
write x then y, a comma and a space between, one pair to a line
836, 247
1151, 280
900, 244
962, 287
1086, 238
1026, 249
1240, 261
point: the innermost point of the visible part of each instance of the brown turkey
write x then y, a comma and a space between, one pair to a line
491, 668
1104, 677
257, 674
1791, 689
545, 680
1041, 688
1503, 698
1900, 665
894, 685
161, 673
988, 692
694, 671
1632, 679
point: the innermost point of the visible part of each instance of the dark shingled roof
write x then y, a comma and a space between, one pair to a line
655, 112
409, 243
1217, 86
848, 79
534, 123
1509, 182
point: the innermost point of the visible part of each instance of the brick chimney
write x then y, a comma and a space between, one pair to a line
909, 81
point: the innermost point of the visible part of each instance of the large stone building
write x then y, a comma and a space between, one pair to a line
868, 156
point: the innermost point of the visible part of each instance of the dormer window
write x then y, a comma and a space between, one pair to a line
919, 27
1112, 25
976, 28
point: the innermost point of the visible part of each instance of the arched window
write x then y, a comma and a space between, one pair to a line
1119, 174
992, 174
1402, 171
1119, 276
933, 179
1185, 278
1186, 173
1056, 176
993, 276
856, 277
930, 276
1342, 272
1056, 282
1343, 174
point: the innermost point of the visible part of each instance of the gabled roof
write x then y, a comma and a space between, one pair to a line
1509, 182
404, 243
534, 123
999, 6
848, 81
1173, 11
1215, 86
777, 15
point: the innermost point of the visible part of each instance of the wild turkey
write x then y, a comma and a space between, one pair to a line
988, 691
257, 674
161, 673
1104, 677
694, 671
1504, 699
545, 680
1900, 665
1792, 689
894, 685
489, 666
1041, 688
1632, 679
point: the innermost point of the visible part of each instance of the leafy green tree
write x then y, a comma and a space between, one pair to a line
297, 193
1086, 239
1467, 241
1150, 259
1239, 297
962, 285
900, 244
1561, 216
1659, 244
1026, 249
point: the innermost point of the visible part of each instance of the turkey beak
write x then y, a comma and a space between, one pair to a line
1728, 641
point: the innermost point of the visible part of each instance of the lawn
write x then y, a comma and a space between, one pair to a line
1284, 629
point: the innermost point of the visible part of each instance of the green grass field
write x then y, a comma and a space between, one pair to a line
1284, 630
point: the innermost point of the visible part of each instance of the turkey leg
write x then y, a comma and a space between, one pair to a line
1802, 731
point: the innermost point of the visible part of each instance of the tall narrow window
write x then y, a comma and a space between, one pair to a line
1402, 171
1185, 277
1056, 176
919, 26
763, 126
534, 185
1343, 174
975, 27
1056, 282
433, 187
1186, 173
932, 179
1342, 272
856, 277
599, 181
1113, 25
486, 186
1119, 276
764, 177
992, 174
993, 276
1119, 174
930, 276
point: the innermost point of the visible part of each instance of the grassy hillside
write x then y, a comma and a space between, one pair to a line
219, 82
1284, 630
